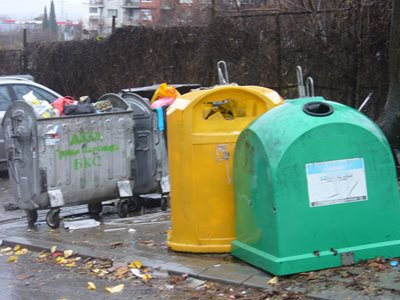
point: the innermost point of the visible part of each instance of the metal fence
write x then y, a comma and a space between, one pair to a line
345, 51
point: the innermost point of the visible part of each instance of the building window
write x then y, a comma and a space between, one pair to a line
133, 14
112, 12
93, 10
146, 15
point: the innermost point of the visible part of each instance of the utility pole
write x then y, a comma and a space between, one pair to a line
113, 24
24, 66
213, 9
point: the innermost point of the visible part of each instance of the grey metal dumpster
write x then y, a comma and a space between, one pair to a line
70, 160
152, 173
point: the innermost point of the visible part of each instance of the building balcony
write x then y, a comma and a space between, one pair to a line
165, 6
130, 21
131, 3
96, 20
98, 3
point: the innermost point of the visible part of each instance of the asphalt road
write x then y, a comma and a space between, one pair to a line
34, 278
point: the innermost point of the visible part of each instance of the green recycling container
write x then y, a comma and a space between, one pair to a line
315, 187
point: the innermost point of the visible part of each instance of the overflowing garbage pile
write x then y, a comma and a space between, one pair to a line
163, 97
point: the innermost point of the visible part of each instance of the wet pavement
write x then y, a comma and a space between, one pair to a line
38, 276
142, 237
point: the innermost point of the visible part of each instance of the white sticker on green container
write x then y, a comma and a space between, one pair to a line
337, 181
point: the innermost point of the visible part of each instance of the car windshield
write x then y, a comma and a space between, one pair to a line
21, 90
5, 99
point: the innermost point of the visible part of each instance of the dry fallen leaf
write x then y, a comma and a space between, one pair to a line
71, 264
61, 260
91, 286
53, 249
121, 271
135, 264
68, 253
273, 280
8, 249
22, 251
17, 247
146, 277
115, 245
114, 289
12, 258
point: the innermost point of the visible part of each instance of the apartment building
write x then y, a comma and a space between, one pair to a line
98, 14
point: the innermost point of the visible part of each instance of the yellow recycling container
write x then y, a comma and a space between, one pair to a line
203, 127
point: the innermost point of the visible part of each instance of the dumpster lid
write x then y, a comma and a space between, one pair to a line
21, 146
148, 91
318, 109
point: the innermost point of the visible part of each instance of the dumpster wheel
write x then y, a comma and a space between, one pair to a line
123, 209
53, 218
164, 202
32, 217
95, 208
135, 203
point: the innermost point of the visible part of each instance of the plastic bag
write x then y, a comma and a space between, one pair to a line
59, 103
165, 91
42, 108
79, 109
162, 102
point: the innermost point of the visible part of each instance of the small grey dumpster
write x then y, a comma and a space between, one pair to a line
152, 173
71, 160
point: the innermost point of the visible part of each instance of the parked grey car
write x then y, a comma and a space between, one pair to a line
13, 88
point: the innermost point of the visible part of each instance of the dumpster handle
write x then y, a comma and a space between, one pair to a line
300, 82
310, 87
365, 102
223, 77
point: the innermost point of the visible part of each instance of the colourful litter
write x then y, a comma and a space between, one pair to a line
394, 263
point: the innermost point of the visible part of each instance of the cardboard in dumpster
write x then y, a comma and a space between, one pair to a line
81, 224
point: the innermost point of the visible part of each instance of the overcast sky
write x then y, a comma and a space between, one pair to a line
29, 9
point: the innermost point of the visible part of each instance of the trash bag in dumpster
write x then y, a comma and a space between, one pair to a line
79, 109
42, 108
315, 187
68, 160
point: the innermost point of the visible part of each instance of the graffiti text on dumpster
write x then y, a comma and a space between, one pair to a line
81, 140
